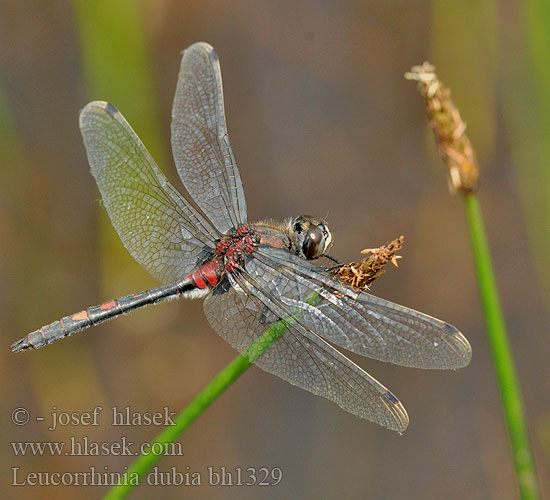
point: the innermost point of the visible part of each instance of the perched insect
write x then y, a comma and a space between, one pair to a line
251, 275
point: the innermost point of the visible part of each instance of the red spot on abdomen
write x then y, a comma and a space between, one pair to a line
198, 279
79, 316
207, 275
211, 272
107, 305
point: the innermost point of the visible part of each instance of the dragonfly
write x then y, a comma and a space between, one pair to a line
251, 275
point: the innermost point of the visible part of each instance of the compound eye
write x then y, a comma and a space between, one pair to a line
314, 243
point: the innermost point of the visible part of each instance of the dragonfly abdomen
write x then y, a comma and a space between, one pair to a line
204, 278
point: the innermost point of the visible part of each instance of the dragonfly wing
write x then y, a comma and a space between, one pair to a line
200, 144
242, 312
156, 224
355, 320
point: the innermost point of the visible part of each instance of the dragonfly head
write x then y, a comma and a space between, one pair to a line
310, 238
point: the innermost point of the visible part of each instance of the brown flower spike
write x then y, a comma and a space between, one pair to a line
361, 275
452, 143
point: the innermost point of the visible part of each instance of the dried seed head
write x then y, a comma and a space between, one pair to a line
453, 145
362, 274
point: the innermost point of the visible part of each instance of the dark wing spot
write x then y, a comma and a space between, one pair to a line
110, 109
390, 397
213, 56
450, 329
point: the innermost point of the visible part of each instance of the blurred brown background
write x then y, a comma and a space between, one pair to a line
322, 122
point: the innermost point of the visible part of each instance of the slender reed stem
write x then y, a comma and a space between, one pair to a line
207, 396
369, 269
459, 157
510, 392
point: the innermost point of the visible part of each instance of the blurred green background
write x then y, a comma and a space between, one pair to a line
322, 122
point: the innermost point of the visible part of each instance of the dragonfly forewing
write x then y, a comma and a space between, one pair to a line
200, 143
156, 224
358, 321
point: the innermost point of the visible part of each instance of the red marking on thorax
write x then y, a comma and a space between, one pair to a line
79, 316
234, 247
108, 305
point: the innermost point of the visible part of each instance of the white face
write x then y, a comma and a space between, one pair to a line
310, 237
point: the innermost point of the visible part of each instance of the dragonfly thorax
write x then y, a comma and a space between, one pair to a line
234, 247
310, 238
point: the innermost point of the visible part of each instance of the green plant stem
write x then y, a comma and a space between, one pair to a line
206, 397
502, 356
